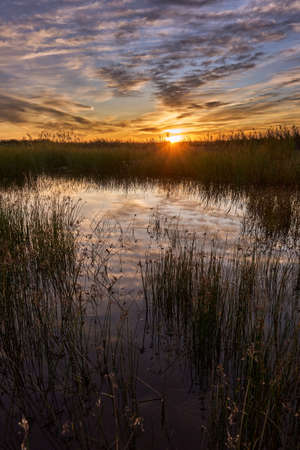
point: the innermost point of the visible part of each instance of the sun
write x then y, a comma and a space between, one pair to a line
174, 135
174, 139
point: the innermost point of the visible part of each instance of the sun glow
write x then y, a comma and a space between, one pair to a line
174, 131
174, 135
174, 139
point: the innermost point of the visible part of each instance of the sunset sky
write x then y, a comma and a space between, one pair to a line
142, 68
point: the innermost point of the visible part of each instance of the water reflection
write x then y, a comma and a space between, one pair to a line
199, 210
183, 298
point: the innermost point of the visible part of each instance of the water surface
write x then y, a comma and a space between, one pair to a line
122, 227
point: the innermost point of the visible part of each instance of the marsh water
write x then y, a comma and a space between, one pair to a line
125, 229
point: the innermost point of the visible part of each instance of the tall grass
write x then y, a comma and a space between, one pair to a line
66, 374
70, 351
271, 158
235, 320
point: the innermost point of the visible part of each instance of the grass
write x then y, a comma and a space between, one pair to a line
234, 319
71, 353
271, 158
62, 375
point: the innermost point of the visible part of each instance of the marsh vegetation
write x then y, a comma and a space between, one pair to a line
270, 158
143, 329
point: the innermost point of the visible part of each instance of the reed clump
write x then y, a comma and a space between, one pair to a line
270, 158
70, 349
234, 319
67, 379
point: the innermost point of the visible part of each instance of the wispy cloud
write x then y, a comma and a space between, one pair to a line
121, 79
45, 53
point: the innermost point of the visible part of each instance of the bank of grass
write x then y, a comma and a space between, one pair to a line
236, 322
271, 158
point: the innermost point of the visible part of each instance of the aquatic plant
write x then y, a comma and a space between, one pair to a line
233, 318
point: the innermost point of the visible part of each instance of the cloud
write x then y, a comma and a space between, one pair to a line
150, 129
62, 103
187, 59
18, 110
214, 104
46, 53
47, 116
182, 92
122, 80
186, 3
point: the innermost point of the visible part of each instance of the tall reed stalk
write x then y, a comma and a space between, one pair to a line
236, 320
62, 374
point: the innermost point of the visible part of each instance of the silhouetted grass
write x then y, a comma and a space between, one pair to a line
272, 158
235, 319
68, 381
69, 364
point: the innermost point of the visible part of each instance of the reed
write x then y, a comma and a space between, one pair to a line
271, 158
72, 352
64, 377
233, 318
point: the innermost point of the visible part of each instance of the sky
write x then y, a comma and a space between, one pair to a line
139, 69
